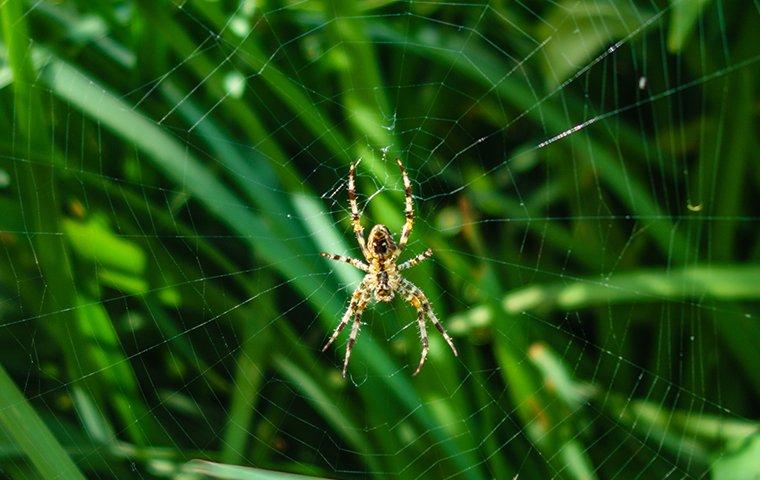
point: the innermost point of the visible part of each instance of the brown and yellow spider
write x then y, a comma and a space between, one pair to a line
383, 280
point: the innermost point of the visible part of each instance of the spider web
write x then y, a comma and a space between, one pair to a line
580, 170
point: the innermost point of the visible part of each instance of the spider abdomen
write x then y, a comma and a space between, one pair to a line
384, 289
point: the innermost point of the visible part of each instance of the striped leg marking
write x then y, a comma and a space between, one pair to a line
440, 328
414, 261
417, 298
354, 333
357, 298
355, 216
351, 261
408, 211
423, 339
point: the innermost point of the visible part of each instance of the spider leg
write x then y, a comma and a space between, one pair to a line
414, 261
354, 332
437, 323
418, 299
359, 296
423, 339
352, 261
355, 216
408, 211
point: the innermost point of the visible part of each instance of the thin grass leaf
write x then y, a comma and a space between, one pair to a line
251, 367
683, 18
722, 283
21, 423
578, 31
202, 469
740, 462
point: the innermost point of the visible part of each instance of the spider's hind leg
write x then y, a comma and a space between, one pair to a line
423, 339
440, 328
419, 301
352, 338
359, 300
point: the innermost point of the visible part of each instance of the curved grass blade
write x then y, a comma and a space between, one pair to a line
21, 423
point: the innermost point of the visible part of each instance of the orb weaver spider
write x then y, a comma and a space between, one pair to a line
383, 279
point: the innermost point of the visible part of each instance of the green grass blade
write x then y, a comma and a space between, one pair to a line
233, 472
576, 38
722, 283
21, 423
251, 367
741, 462
683, 19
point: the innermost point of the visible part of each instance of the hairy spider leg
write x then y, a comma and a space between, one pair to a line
361, 294
354, 331
423, 339
414, 261
408, 211
352, 261
419, 300
355, 216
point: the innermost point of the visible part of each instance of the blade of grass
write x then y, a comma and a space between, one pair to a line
722, 283
683, 18
340, 420
24, 426
252, 362
117, 376
740, 462
598, 24
726, 283
678, 430
535, 409
234, 472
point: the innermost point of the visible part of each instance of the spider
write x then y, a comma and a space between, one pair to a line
383, 279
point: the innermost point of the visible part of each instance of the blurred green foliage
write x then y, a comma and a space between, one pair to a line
169, 172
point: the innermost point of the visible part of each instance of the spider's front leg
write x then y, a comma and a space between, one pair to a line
356, 220
406, 231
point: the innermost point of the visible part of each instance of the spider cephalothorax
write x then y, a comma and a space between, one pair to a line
383, 280
381, 243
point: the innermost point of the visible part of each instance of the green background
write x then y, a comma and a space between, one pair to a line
585, 172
